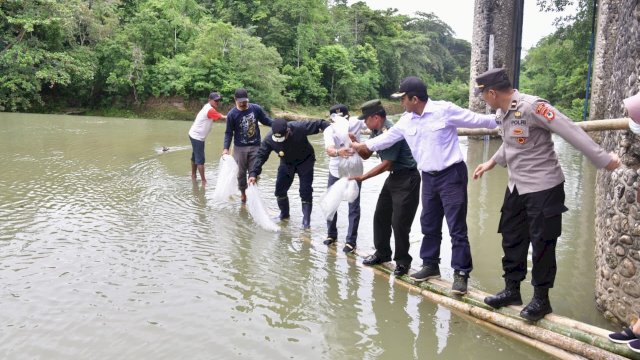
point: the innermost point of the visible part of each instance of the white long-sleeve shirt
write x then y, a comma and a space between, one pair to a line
432, 135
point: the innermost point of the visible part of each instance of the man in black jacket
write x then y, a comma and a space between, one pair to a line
289, 141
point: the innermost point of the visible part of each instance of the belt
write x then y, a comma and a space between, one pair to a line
438, 172
403, 170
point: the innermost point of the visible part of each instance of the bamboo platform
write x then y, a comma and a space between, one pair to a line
558, 336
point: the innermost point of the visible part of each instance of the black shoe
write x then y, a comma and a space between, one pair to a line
429, 271
539, 305
373, 260
348, 247
401, 270
459, 286
509, 296
329, 241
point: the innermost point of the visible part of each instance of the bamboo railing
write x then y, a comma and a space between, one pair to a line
588, 126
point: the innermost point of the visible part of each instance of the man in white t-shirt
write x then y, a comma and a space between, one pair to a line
198, 133
335, 149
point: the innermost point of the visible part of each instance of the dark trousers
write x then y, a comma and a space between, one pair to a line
444, 195
286, 173
396, 208
354, 217
536, 219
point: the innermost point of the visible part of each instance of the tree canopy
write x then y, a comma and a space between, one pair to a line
106, 53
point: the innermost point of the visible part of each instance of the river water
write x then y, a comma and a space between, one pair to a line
109, 250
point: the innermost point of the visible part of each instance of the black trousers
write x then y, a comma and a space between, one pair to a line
536, 219
396, 208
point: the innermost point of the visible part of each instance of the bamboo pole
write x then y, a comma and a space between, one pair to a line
588, 126
570, 335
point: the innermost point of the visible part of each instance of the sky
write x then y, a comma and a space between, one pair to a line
459, 15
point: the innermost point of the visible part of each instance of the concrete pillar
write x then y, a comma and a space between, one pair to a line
493, 41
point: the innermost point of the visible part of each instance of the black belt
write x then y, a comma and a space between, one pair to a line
438, 172
402, 171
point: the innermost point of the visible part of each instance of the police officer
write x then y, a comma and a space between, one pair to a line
399, 196
534, 198
289, 141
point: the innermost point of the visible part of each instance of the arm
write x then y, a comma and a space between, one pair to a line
482, 168
379, 169
314, 127
386, 140
213, 114
362, 150
228, 135
262, 116
500, 157
261, 157
464, 118
550, 118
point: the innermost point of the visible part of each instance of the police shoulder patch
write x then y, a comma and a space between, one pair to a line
514, 105
546, 111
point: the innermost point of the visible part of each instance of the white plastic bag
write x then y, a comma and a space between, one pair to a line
352, 165
227, 184
257, 210
331, 199
352, 191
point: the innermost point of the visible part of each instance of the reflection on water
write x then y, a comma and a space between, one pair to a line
109, 250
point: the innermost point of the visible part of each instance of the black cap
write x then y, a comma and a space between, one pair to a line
492, 78
412, 85
279, 130
339, 109
369, 108
241, 95
214, 96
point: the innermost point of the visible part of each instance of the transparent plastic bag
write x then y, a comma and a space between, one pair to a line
258, 210
227, 184
351, 166
352, 191
331, 199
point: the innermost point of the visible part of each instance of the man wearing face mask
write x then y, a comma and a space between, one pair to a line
289, 141
242, 127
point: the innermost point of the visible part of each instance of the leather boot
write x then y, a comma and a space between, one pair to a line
539, 305
509, 296
283, 204
306, 214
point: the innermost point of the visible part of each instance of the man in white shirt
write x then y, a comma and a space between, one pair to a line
335, 149
198, 133
430, 129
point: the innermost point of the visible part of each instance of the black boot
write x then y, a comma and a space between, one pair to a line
539, 305
306, 214
509, 296
283, 204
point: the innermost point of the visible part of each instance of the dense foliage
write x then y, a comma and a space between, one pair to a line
115, 53
556, 69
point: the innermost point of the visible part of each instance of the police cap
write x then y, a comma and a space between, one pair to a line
494, 78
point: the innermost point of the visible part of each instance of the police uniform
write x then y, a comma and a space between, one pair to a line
296, 156
534, 200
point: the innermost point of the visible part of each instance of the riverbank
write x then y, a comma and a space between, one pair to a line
179, 109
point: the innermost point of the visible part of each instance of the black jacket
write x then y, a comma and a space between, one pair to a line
292, 151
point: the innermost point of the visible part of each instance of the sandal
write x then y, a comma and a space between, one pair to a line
623, 337
329, 241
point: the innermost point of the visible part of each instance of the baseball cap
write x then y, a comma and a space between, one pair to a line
279, 130
412, 85
369, 108
214, 96
491, 78
241, 95
339, 109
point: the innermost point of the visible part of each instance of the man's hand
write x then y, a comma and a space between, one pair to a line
482, 168
358, 178
225, 152
252, 180
359, 146
614, 163
345, 152
352, 137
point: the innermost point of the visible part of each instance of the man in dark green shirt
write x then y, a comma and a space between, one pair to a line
400, 194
